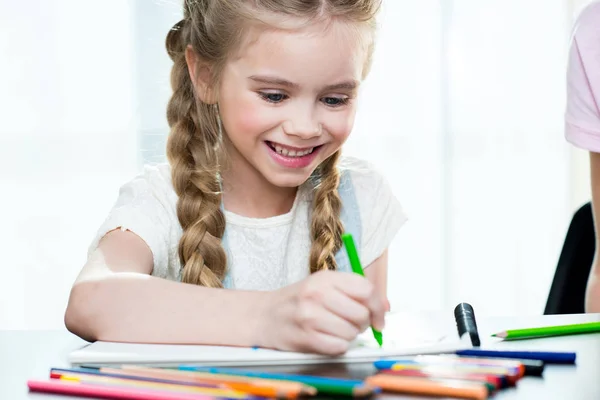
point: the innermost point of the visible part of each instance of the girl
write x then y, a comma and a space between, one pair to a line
255, 195
582, 118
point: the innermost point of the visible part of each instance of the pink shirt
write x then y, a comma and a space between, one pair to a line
582, 117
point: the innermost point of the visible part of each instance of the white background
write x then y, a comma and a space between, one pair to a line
463, 109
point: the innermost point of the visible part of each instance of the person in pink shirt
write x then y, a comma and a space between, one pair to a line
582, 118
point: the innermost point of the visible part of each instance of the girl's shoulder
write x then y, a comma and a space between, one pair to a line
364, 175
154, 176
154, 180
146, 205
380, 212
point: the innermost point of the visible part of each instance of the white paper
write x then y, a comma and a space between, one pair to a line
402, 337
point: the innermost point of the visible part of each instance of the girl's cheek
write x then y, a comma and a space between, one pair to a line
342, 125
246, 115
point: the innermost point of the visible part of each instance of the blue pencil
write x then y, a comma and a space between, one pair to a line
550, 357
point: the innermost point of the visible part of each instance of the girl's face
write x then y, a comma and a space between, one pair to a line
287, 101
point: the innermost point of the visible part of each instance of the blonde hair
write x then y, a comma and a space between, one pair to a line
214, 29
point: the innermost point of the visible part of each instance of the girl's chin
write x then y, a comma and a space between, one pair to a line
287, 180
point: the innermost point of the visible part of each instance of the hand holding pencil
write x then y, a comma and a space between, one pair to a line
323, 313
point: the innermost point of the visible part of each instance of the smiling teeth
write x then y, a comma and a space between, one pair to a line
292, 153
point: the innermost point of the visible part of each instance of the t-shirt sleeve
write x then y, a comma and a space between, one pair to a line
142, 207
382, 215
582, 116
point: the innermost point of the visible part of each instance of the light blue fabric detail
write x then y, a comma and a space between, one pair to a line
227, 281
350, 216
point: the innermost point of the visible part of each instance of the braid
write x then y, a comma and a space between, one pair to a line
193, 151
326, 226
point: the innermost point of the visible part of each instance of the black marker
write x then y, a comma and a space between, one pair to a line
465, 322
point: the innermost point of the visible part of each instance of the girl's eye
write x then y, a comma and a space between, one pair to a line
273, 97
335, 101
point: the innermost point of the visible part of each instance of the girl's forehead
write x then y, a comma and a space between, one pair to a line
313, 53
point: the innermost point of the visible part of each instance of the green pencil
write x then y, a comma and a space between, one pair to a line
357, 269
546, 331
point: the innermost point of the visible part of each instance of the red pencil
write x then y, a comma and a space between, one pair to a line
108, 392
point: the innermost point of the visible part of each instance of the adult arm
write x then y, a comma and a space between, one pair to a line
592, 299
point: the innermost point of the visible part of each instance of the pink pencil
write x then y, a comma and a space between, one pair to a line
108, 392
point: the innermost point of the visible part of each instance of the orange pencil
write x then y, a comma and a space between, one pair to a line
256, 386
495, 381
426, 387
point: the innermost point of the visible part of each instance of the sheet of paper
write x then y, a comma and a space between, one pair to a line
402, 337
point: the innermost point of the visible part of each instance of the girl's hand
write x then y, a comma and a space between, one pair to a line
322, 314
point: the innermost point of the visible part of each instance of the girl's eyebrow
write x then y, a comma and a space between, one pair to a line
273, 80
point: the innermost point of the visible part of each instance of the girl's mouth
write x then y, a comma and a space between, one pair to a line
291, 151
292, 157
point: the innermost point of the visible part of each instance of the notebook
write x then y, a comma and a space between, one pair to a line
404, 340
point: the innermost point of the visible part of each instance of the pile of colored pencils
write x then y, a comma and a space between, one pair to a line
137, 382
465, 377
452, 376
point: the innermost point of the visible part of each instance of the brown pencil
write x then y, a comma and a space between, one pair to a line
426, 387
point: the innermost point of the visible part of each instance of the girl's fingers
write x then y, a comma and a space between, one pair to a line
327, 344
347, 308
377, 307
322, 320
353, 285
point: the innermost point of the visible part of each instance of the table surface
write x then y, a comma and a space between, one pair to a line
30, 354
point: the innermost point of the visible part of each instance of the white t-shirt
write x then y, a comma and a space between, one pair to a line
264, 253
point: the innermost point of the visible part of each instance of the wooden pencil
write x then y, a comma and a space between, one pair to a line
494, 382
324, 385
70, 388
280, 389
426, 387
167, 387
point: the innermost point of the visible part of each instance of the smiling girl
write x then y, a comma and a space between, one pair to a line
237, 240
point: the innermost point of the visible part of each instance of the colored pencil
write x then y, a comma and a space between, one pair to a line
257, 386
426, 387
547, 331
492, 382
117, 374
514, 367
550, 357
448, 363
530, 367
324, 385
500, 380
510, 377
357, 269
56, 386
166, 387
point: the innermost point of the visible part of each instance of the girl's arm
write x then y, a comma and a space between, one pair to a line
115, 299
592, 301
